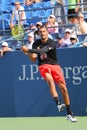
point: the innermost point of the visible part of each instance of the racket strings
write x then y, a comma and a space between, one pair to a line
17, 32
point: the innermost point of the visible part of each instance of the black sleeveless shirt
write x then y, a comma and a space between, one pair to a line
48, 57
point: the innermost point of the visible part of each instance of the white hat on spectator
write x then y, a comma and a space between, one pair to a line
74, 36
39, 23
52, 16
68, 30
5, 44
31, 35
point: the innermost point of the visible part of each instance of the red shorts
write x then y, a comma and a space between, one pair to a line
54, 70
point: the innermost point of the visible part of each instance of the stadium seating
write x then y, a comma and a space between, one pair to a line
4, 24
40, 13
47, 4
82, 37
28, 7
34, 20
29, 14
85, 15
34, 13
38, 5
47, 13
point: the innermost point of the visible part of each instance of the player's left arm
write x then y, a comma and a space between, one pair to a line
32, 56
45, 49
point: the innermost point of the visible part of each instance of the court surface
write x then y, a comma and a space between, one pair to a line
42, 123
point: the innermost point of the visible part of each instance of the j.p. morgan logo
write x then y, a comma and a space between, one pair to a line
76, 74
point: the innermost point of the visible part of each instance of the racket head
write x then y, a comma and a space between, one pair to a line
17, 32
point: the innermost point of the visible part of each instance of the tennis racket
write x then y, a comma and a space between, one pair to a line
17, 32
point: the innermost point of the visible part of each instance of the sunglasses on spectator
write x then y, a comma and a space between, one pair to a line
72, 39
38, 25
51, 17
80, 17
59, 38
16, 4
4, 46
67, 32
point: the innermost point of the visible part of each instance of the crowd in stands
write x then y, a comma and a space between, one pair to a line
29, 2
4, 48
63, 27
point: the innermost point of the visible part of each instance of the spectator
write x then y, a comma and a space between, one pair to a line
32, 27
73, 8
30, 40
82, 24
38, 24
52, 25
74, 41
5, 48
18, 15
65, 11
85, 44
67, 35
29, 2
61, 43
36, 1
36, 33
57, 10
74, 21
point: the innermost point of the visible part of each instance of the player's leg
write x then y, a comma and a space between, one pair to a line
45, 71
51, 84
59, 79
66, 98
54, 92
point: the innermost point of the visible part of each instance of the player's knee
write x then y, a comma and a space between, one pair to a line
48, 77
63, 88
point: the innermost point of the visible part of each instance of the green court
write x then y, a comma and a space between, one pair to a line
42, 123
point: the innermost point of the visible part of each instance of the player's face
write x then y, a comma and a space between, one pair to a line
43, 33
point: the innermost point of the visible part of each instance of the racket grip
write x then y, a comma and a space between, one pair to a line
22, 44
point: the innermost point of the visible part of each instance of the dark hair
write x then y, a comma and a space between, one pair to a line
43, 26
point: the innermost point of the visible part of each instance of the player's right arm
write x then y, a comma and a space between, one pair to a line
32, 56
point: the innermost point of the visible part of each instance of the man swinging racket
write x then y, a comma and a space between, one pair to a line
44, 50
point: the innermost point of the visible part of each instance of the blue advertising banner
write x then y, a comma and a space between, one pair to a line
23, 92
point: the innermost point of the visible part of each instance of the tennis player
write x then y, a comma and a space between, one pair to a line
44, 50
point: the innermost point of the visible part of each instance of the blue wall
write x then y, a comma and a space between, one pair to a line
24, 93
